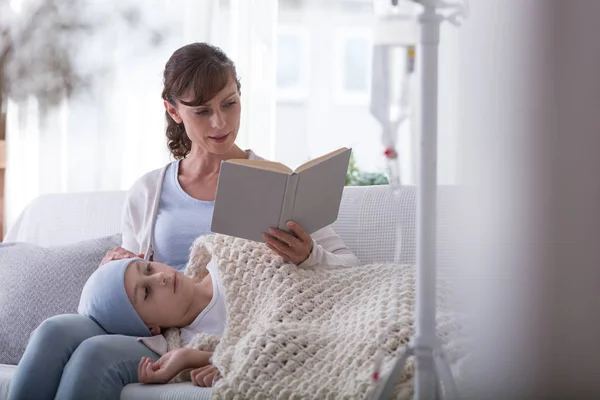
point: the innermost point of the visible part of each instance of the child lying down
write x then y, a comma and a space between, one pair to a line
141, 298
277, 331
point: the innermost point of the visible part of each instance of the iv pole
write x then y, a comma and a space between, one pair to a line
433, 377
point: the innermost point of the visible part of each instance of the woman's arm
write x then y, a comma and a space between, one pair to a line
128, 231
329, 250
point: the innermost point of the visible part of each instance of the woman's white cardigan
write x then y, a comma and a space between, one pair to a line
141, 206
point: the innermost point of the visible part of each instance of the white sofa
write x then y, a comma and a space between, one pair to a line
375, 223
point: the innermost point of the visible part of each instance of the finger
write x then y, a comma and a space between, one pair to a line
123, 254
279, 247
285, 237
140, 364
299, 231
151, 373
144, 374
201, 377
148, 371
197, 375
208, 379
193, 377
285, 257
156, 365
141, 376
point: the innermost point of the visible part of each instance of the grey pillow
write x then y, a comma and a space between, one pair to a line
38, 282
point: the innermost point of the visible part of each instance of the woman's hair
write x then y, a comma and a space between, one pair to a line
201, 70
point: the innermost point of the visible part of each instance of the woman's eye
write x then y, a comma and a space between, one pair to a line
230, 104
201, 112
148, 269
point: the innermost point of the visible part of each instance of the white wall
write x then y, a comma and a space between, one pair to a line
311, 127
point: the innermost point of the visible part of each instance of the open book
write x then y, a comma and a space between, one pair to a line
255, 195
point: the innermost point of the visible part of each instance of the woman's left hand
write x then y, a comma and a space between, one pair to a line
292, 248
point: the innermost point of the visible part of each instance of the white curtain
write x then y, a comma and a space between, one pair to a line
108, 137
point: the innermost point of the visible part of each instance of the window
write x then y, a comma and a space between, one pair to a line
352, 75
292, 64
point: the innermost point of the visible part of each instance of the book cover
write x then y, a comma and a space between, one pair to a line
254, 195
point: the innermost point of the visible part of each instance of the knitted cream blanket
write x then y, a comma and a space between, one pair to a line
306, 333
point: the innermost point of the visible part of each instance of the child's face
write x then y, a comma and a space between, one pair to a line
161, 295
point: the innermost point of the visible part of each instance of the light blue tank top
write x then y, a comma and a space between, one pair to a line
180, 219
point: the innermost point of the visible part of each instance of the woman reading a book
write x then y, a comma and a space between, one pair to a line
72, 357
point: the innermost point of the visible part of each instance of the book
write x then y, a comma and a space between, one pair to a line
255, 195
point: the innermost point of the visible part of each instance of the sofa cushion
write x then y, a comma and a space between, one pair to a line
6, 374
172, 391
39, 282
378, 224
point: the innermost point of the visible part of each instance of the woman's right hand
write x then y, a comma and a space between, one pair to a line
118, 253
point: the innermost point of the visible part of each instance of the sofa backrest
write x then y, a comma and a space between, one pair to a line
376, 223
65, 218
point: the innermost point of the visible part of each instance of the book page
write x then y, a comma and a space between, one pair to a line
318, 160
261, 164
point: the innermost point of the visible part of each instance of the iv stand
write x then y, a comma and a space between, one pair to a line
433, 377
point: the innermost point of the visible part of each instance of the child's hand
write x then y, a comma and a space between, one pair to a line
164, 369
205, 376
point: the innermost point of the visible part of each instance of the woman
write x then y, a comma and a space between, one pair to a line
70, 356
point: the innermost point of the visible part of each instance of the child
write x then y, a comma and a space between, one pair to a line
140, 298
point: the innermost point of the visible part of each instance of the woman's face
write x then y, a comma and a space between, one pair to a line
161, 295
212, 126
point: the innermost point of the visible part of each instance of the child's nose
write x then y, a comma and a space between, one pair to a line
163, 278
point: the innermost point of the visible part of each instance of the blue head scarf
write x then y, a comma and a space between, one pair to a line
105, 300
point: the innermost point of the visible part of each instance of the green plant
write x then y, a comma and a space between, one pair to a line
356, 177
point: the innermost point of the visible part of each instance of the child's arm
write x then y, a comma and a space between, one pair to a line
172, 363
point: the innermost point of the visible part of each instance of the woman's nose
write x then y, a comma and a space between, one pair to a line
218, 120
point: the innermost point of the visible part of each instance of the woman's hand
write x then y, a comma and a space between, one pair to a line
292, 248
119, 253
205, 376
165, 368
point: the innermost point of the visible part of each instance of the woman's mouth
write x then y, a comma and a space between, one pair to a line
219, 139
175, 282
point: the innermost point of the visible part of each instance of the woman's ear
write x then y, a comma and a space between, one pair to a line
172, 110
155, 330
